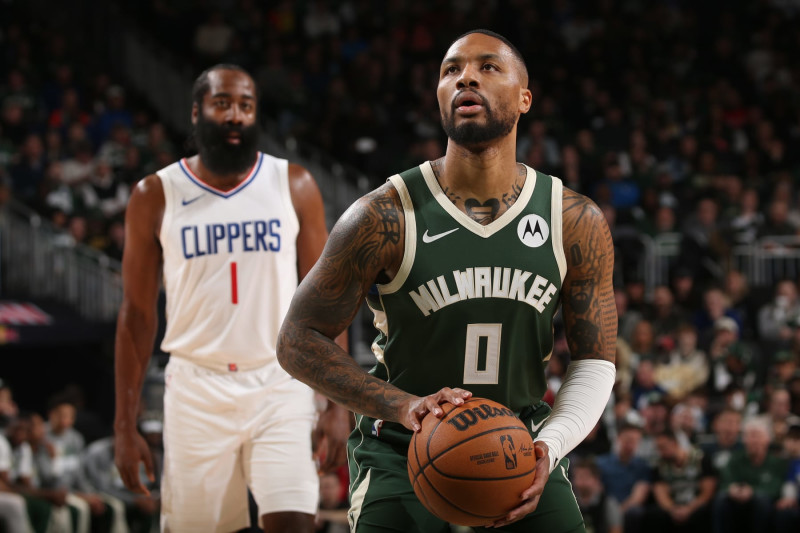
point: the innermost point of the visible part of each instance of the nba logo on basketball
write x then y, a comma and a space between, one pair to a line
509, 451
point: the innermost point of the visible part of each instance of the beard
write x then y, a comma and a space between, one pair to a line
472, 133
220, 156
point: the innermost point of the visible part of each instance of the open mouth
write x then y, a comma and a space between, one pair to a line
468, 103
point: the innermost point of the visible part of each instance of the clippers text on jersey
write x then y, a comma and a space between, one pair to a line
247, 236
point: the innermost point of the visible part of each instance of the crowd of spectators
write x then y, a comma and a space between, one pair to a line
52, 481
678, 118
72, 139
57, 473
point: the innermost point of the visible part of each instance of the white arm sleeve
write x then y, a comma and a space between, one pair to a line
578, 405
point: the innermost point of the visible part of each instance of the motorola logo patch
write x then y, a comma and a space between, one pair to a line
533, 231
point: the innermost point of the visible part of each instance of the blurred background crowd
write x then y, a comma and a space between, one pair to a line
680, 119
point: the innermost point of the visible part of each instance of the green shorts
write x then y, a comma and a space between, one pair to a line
382, 499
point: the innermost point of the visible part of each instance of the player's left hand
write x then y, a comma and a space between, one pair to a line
530, 497
330, 436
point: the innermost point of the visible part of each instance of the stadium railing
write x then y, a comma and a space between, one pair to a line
39, 261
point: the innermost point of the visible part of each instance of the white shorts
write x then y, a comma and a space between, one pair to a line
224, 432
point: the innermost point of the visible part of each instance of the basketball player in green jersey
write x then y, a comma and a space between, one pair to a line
464, 261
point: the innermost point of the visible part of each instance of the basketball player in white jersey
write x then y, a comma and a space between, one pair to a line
231, 230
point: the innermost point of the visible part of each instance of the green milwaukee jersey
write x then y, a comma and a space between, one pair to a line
472, 306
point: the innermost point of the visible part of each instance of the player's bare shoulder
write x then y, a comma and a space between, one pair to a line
585, 231
146, 204
370, 235
364, 247
301, 183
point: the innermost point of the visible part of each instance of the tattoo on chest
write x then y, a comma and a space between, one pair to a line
482, 213
488, 211
390, 221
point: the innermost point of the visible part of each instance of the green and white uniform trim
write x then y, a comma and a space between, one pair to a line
471, 306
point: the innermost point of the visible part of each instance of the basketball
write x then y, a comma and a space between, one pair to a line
470, 467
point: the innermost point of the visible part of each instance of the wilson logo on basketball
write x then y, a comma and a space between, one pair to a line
466, 418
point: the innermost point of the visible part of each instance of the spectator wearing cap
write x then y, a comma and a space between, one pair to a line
684, 481
750, 484
626, 476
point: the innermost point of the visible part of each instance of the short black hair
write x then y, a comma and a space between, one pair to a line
515, 52
58, 400
202, 85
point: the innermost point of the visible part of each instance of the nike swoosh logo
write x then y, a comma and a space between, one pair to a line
535, 427
187, 202
430, 238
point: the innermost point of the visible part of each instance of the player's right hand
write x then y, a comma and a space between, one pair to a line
129, 449
417, 407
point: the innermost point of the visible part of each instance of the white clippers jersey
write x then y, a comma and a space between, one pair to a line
230, 265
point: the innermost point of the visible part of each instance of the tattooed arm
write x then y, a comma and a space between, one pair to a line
590, 321
587, 295
365, 247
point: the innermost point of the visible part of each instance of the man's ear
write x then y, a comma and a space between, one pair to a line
195, 111
525, 100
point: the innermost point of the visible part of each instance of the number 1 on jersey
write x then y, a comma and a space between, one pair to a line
234, 284
476, 373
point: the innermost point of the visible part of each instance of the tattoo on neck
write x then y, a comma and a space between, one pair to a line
486, 212
508, 199
451, 195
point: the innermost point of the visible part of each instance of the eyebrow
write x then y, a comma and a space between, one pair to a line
229, 95
483, 57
